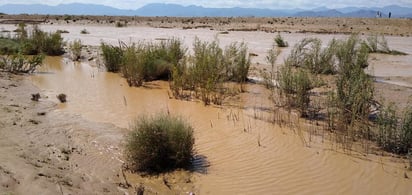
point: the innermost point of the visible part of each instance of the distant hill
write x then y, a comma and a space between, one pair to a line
161, 9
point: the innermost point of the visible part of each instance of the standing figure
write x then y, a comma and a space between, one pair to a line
390, 14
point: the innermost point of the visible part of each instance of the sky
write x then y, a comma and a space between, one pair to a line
272, 4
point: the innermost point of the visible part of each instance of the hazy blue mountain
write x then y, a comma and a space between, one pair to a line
325, 13
73, 9
161, 9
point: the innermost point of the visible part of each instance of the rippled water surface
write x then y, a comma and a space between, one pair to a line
247, 155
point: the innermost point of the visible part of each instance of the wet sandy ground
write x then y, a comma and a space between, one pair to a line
238, 152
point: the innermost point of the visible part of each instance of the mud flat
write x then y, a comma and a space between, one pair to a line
238, 150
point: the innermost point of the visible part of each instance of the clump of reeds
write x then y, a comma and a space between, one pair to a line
142, 61
112, 56
158, 144
208, 68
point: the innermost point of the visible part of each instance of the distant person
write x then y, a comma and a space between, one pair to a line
390, 14
377, 14
380, 14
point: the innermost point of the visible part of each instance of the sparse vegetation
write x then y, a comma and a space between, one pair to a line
158, 144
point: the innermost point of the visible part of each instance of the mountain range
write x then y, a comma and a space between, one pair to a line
175, 10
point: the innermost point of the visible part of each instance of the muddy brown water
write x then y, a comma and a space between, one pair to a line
245, 154
238, 165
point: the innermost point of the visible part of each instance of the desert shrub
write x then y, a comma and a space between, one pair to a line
208, 68
148, 61
76, 49
354, 88
295, 84
236, 62
309, 54
42, 42
280, 42
379, 44
269, 77
394, 134
20, 63
158, 144
112, 56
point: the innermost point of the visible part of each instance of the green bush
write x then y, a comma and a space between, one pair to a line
236, 62
354, 88
295, 84
141, 61
379, 44
280, 42
158, 144
33, 43
394, 134
112, 57
208, 68
147, 61
309, 54
42, 42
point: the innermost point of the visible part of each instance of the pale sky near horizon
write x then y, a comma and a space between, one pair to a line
272, 4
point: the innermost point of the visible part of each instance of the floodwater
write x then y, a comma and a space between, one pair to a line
245, 153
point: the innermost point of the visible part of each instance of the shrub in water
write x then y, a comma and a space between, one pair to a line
112, 57
159, 143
